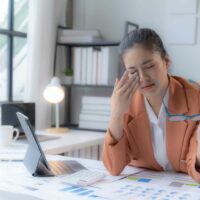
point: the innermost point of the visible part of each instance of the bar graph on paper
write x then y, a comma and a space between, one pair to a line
149, 185
79, 191
176, 181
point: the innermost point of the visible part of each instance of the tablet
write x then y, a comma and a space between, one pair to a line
35, 159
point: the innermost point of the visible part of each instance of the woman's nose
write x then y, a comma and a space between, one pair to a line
142, 75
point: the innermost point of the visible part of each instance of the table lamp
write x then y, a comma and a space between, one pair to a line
54, 94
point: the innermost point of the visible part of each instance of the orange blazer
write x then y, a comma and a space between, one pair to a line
135, 146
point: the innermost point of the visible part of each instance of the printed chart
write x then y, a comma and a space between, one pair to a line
150, 185
171, 180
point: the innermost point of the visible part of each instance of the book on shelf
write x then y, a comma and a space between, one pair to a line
78, 39
76, 62
98, 67
84, 65
78, 36
109, 65
76, 32
89, 67
93, 125
95, 100
95, 112
94, 117
96, 107
95, 66
95, 104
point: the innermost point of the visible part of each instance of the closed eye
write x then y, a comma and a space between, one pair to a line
149, 67
132, 71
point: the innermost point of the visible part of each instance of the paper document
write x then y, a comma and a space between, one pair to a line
46, 188
13, 152
141, 191
128, 170
15, 196
147, 185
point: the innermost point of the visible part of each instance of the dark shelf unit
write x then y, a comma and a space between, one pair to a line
90, 86
69, 63
75, 127
90, 44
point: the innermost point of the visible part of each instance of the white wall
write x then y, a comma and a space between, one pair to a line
109, 17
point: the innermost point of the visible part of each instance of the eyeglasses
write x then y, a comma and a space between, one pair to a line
194, 82
181, 117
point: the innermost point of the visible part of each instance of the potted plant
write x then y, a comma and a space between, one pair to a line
68, 76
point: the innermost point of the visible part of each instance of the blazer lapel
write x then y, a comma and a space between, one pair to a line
139, 127
175, 131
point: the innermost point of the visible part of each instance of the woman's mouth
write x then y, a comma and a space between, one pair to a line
147, 86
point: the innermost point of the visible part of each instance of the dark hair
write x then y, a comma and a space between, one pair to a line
144, 36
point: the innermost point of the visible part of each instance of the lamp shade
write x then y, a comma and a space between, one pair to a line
54, 93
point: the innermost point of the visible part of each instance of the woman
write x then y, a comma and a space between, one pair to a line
140, 132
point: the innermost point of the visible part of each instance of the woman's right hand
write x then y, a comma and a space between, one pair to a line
122, 94
123, 91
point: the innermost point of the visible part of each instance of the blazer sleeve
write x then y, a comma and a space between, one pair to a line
191, 159
115, 153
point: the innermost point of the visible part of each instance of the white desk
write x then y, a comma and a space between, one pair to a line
15, 178
72, 140
67, 142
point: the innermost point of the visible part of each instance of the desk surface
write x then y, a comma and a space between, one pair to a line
65, 142
142, 184
72, 140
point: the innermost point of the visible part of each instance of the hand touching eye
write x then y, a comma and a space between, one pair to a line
123, 92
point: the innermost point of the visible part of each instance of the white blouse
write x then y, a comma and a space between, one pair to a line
158, 133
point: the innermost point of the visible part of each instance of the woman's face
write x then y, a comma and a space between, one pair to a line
150, 67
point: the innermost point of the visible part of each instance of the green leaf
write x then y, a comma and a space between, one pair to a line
68, 71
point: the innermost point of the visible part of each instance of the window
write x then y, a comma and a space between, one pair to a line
13, 48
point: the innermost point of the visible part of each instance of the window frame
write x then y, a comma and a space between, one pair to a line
11, 34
